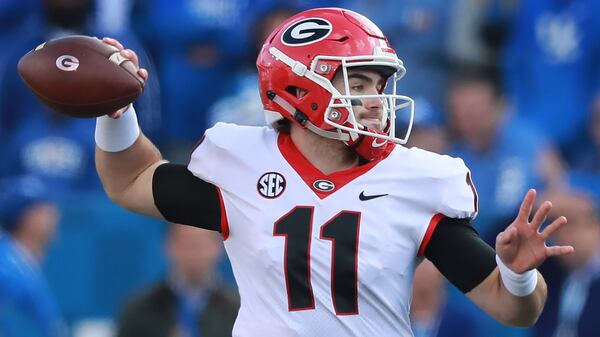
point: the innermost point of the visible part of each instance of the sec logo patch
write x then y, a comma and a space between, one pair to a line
270, 185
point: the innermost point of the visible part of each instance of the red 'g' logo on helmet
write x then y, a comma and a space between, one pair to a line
306, 31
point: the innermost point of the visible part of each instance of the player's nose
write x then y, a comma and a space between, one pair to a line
373, 103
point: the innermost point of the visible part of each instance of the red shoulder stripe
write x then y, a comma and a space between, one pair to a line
430, 229
224, 223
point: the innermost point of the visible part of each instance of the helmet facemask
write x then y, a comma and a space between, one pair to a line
340, 112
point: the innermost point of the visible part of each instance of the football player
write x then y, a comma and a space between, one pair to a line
325, 214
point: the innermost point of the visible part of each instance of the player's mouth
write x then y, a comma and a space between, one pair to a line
371, 120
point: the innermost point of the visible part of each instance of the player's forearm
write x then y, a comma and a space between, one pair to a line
498, 302
522, 311
118, 171
126, 161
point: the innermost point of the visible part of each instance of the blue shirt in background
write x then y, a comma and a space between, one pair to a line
57, 149
502, 175
552, 65
27, 307
195, 57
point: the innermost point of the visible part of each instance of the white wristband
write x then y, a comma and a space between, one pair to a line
114, 135
517, 284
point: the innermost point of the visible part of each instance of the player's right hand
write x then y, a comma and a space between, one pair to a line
131, 55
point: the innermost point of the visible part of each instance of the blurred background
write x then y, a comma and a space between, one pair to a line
511, 86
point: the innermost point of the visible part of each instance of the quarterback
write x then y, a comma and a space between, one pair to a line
324, 214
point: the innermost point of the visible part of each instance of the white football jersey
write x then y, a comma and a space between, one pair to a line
326, 255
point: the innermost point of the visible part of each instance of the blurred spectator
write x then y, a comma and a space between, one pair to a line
243, 105
28, 221
428, 130
418, 31
479, 30
588, 160
192, 301
499, 21
56, 148
552, 66
34, 137
585, 170
464, 41
16, 16
573, 280
112, 19
197, 45
430, 313
40, 142
113, 16
59, 18
506, 157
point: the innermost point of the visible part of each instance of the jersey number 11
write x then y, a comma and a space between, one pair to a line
342, 230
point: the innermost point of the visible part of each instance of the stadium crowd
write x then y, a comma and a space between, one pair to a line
512, 87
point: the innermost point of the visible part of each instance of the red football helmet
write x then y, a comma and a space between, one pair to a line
305, 52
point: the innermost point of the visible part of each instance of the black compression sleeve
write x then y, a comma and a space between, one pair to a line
185, 199
460, 254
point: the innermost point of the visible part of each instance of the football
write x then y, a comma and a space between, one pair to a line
80, 76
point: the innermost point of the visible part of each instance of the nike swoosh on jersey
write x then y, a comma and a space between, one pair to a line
364, 197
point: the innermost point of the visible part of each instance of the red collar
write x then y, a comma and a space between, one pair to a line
318, 181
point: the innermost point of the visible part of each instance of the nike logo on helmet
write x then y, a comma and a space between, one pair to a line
364, 197
377, 144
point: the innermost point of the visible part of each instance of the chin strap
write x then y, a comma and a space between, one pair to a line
368, 147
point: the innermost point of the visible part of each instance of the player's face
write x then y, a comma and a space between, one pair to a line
367, 111
473, 110
193, 252
41, 221
582, 232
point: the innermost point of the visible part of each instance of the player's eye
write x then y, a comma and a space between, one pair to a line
357, 88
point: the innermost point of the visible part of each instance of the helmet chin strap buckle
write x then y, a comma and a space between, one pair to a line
271, 94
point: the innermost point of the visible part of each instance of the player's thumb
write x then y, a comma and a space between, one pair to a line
506, 237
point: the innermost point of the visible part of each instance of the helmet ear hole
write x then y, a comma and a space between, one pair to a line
296, 91
291, 89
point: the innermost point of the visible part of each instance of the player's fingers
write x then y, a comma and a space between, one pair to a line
113, 42
526, 206
559, 250
555, 225
131, 55
143, 73
540, 215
